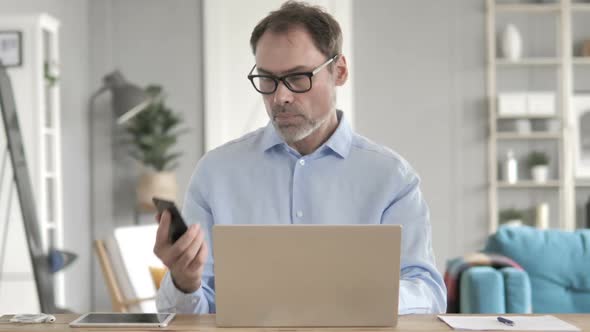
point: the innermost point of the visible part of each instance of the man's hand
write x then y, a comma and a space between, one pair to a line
185, 258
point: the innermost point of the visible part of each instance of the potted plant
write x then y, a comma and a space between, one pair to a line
511, 217
539, 165
152, 135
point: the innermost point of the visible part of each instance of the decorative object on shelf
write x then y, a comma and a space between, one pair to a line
511, 217
153, 134
542, 216
539, 165
11, 48
581, 134
51, 72
524, 103
512, 104
586, 48
511, 43
523, 126
510, 169
541, 103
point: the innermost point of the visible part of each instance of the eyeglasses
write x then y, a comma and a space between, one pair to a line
296, 82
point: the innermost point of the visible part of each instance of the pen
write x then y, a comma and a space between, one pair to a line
505, 321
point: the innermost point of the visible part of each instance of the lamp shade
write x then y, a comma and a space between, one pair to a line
128, 99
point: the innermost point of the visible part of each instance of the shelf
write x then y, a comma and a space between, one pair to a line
531, 136
529, 184
528, 8
529, 62
581, 60
557, 15
527, 117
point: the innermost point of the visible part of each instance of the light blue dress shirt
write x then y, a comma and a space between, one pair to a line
259, 179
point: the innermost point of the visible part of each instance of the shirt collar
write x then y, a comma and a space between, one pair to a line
339, 142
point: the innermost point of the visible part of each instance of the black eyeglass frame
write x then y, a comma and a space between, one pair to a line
284, 78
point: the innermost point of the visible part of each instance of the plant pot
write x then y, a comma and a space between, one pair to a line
155, 184
540, 173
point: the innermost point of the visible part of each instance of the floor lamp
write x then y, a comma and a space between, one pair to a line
127, 101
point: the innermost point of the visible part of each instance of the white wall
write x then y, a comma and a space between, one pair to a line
420, 90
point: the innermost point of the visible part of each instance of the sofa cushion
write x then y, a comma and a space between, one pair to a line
517, 290
482, 291
558, 264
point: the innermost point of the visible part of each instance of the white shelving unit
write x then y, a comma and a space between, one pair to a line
562, 62
38, 106
531, 136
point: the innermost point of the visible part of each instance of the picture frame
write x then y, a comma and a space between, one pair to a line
581, 135
11, 47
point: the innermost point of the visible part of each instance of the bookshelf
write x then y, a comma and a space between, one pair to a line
559, 62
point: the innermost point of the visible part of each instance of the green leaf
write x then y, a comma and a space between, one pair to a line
153, 133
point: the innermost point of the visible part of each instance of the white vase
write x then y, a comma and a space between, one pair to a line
540, 173
542, 216
511, 44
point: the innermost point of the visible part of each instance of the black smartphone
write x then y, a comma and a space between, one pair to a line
177, 224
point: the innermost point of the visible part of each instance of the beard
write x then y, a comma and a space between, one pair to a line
296, 126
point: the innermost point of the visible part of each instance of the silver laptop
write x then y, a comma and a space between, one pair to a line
306, 275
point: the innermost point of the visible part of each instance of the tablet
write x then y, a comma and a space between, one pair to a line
95, 319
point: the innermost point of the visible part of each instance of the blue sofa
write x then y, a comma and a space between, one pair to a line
555, 279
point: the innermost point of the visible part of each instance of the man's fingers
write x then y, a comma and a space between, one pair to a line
158, 216
201, 257
181, 245
163, 228
190, 252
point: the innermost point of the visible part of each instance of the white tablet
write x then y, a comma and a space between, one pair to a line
96, 319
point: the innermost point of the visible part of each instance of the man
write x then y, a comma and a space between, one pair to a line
306, 166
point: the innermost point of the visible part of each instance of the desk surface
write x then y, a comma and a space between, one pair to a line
206, 323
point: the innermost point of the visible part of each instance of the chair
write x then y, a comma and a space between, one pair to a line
555, 274
130, 268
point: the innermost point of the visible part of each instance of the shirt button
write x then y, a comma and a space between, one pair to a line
299, 214
302, 162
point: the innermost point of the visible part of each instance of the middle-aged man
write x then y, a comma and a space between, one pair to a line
307, 166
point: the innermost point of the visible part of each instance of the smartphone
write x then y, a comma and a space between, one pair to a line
177, 224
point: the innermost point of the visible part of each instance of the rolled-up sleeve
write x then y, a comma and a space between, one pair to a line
422, 289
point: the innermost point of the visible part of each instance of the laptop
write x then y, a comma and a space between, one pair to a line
307, 275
